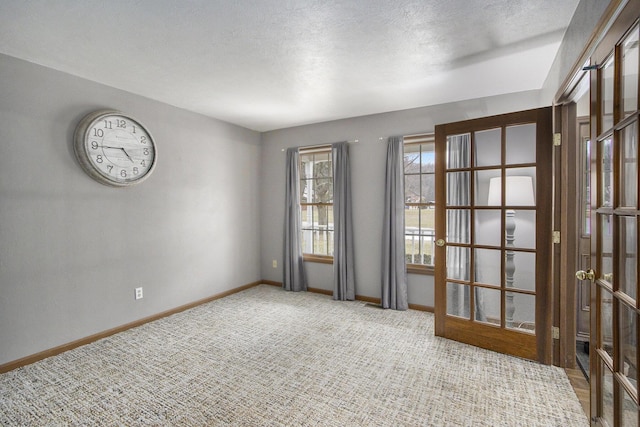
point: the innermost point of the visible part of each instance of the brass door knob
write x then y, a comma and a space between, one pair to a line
586, 275
440, 242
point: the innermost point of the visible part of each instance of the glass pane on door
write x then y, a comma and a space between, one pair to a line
606, 320
606, 150
630, 73
458, 300
627, 251
586, 188
607, 393
524, 231
488, 265
458, 189
486, 223
606, 247
488, 194
488, 308
458, 260
629, 409
458, 151
458, 225
629, 165
488, 147
521, 144
520, 188
521, 314
628, 341
606, 103
524, 271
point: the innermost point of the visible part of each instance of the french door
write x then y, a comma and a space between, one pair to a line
615, 311
493, 229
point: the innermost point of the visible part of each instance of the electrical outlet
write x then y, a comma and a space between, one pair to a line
275, 263
138, 293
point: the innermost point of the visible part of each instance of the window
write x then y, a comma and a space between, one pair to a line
419, 196
316, 202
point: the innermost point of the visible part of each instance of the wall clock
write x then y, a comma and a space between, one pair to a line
114, 148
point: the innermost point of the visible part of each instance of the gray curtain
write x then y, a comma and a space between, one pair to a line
394, 275
295, 278
343, 268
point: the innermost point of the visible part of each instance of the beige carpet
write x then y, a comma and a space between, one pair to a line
266, 357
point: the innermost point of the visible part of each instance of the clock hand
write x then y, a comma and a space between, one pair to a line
119, 148
126, 154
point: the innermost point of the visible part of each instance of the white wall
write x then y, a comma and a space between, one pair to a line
72, 250
368, 169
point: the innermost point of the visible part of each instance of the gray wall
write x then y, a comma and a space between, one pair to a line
368, 170
72, 250
584, 20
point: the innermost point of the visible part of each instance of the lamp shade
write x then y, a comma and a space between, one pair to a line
518, 191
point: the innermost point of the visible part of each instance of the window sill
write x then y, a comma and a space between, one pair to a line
322, 259
420, 269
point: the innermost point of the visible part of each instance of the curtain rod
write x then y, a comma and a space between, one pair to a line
328, 145
415, 136
425, 135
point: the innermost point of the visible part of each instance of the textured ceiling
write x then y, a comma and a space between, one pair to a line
269, 64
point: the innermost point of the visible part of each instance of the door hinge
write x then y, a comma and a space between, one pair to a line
557, 139
555, 332
556, 237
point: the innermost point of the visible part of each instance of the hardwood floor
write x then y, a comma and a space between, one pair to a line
581, 387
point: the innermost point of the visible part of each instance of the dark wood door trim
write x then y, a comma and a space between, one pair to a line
568, 225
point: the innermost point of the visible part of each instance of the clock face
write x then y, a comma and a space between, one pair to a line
114, 149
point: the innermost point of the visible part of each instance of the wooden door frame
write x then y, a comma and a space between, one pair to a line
566, 219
